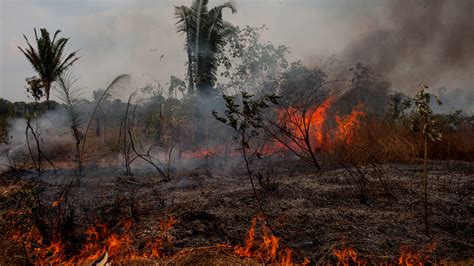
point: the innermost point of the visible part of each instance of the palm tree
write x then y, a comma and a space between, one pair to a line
47, 59
206, 33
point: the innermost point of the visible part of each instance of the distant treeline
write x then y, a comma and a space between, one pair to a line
21, 109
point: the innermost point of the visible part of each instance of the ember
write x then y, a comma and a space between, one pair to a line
267, 249
216, 145
100, 243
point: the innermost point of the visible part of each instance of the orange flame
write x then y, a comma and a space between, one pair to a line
266, 249
347, 124
348, 256
411, 258
119, 247
311, 124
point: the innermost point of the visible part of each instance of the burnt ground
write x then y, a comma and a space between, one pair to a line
311, 211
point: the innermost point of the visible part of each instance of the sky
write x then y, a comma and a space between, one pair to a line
121, 36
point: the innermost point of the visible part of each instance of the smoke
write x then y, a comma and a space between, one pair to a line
52, 130
420, 41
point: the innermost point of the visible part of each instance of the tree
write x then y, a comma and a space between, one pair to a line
251, 64
206, 34
35, 87
176, 85
398, 104
367, 88
48, 58
99, 116
69, 95
424, 121
246, 119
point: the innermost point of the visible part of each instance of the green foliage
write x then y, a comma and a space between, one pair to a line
245, 118
47, 60
299, 83
249, 63
35, 87
206, 34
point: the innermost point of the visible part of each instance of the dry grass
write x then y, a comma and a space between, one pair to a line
382, 141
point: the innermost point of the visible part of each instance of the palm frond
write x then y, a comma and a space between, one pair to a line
113, 88
206, 34
68, 94
47, 59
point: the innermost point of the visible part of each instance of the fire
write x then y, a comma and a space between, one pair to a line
311, 126
267, 249
305, 124
308, 126
347, 124
347, 255
411, 258
100, 243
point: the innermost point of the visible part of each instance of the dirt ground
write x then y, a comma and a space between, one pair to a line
311, 211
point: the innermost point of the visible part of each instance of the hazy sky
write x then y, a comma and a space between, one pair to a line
116, 36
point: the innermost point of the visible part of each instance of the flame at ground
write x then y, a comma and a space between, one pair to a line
267, 249
347, 255
261, 245
100, 243
411, 258
310, 125
306, 124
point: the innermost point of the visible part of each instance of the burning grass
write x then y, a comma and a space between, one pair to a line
212, 220
368, 194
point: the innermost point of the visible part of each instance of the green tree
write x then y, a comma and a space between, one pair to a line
206, 34
35, 88
424, 121
48, 58
252, 64
246, 119
398, 104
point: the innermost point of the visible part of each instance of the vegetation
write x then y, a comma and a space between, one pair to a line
352, 129
206, 33
47, 60
246, 119
423, 119
69, 96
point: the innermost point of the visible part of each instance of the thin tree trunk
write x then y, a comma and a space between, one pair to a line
190, 73
47, 88
97, 126
425, 182
249, 174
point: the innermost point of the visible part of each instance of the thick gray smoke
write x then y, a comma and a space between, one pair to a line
420, 41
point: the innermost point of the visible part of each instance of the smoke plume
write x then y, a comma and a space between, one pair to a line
420, 41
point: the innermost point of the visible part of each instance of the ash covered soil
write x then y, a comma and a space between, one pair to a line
311, 211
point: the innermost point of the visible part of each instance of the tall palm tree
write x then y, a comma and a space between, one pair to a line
206, 33
47, 59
